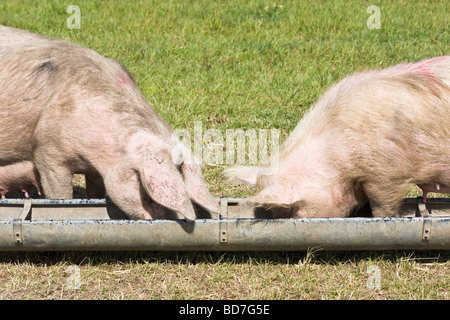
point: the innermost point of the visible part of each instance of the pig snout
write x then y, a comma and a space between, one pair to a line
367, 139
152, 175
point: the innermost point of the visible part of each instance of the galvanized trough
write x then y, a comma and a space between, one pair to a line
97, 224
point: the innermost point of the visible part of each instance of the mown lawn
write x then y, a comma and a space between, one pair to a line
235, 65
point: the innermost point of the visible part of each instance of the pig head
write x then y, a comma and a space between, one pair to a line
66, 109
368, 138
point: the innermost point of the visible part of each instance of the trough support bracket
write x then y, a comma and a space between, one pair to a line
223, 224
17, 232
26, 211
426, 214
17, 223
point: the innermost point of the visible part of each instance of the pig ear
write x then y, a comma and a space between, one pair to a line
164, 185
197, 189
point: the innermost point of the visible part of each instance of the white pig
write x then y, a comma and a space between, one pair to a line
66, 109
369, 137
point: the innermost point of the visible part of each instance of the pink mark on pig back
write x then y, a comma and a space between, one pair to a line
428, 69
123, 79
424, 67
425, 70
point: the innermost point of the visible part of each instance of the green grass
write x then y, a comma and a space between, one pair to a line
235, 64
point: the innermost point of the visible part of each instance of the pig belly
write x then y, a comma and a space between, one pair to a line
433, 187
19, 176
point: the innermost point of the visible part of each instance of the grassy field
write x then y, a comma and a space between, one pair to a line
229, 65
215, 275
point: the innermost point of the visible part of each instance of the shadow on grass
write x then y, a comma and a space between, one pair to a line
190, 258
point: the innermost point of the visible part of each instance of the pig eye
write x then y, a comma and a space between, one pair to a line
179, 167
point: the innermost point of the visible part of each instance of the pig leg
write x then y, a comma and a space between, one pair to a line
57, 184
55, 177
384, 201
379, 209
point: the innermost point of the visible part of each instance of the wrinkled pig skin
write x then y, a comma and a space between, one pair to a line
368, 138
66, 109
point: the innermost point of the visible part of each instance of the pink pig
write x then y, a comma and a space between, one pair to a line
65, 109
368, 138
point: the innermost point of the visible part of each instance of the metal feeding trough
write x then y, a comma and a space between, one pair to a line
97, 224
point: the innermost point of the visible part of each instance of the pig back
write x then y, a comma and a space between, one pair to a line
52, 87
395, 122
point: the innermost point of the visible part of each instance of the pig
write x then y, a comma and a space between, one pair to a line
367, 139
68, 110
19, 176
